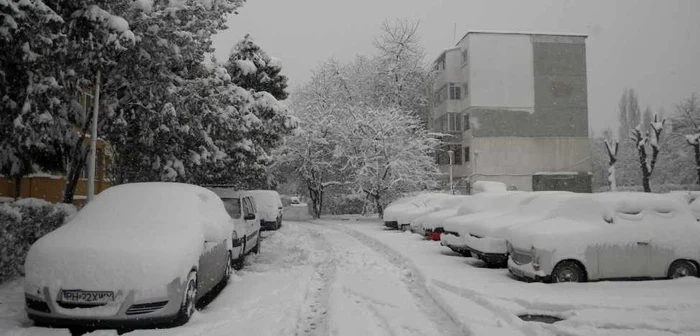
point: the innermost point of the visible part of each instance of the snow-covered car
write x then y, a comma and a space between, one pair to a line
424, 206
397, 207
138, 254
488, 186
430, 224
479, 207
269, 206
486, 238
648, 236
294, 200
241, 206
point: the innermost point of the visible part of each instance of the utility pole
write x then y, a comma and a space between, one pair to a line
93, 141
451, 154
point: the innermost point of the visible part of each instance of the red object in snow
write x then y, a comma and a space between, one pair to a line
434, 236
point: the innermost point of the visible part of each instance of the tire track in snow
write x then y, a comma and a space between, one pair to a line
312, 320
443, 318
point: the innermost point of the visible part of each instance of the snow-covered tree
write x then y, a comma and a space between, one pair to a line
390, 150
611, 147
51, 51
402, 70
253, 69
641, 140
687, 123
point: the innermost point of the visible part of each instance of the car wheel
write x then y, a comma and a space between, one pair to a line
189, 299
568, 271
466, 253
681, 269
279, 222
238, 263
256, 249
227, 268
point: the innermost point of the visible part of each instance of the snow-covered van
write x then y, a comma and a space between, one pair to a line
269, 206
241, 206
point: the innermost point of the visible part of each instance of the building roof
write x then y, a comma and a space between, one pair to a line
517, 33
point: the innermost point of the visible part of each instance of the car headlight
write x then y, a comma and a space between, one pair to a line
509, 247
234, 236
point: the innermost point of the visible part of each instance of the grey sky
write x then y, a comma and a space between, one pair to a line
652, 46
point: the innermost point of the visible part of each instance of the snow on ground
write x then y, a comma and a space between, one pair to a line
309, 280
353, 277
487, 301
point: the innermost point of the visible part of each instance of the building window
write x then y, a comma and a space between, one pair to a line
465, 57
441, 95
443, 157
454, 122
466, 154
455, 91
465, 122
465, 90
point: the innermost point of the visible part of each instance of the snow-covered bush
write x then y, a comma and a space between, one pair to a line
345, 204
21, 224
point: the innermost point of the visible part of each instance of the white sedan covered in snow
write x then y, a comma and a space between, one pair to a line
486, 238
430, 224
479, 207
137, 255
649, 236
396, 211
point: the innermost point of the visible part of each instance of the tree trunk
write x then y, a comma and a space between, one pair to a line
645, 169
316, 201
18, 187
697, 160
77, 165
380, 208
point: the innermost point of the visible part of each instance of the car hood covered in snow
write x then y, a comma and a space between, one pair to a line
135, 236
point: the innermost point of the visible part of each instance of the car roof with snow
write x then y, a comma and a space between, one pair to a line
636, 202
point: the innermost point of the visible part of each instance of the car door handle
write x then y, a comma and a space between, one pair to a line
643, 243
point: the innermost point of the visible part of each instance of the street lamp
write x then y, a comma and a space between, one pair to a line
93, 142
451, 154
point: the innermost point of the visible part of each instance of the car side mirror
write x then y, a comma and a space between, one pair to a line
249, 216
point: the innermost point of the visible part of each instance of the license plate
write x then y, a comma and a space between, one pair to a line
78, 296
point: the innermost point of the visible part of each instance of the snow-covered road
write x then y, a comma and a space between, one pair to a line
356, 278
310, 279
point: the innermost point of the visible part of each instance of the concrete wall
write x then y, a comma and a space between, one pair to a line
513, 160
501, 71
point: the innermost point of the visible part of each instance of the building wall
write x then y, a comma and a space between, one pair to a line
515, 159
501, 71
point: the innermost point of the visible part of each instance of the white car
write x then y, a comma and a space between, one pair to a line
479, 207
269, 206
399, 206
241, 206
486, 238
424, 204
137, 255
430, 224
649, 236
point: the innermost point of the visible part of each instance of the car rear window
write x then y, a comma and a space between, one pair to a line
233, 207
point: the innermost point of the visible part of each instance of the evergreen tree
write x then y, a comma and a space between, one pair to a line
253, 69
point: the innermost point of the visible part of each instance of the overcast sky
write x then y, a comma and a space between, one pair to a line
652, 46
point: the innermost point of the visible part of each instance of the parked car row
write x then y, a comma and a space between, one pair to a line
557, 236
142, 254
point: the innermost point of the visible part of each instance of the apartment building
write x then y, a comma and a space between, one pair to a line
516, 108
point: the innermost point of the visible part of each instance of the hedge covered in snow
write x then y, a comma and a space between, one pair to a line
21, 224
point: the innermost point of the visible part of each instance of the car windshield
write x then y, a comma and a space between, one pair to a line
233, 206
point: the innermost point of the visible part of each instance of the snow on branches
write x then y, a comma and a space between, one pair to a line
641, 140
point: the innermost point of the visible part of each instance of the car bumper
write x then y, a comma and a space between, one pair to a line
452, 242
125, 312
487, 245
268, 225
526, 271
